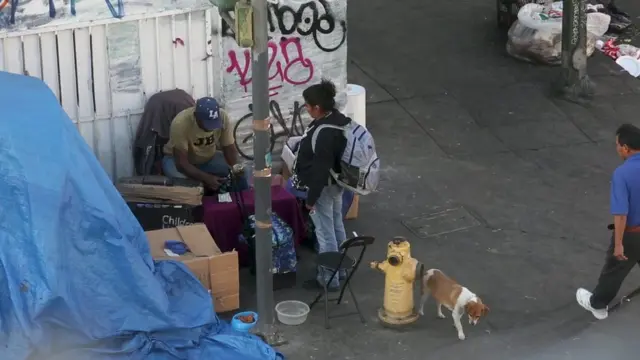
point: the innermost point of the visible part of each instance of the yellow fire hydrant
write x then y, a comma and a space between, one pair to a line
400, 273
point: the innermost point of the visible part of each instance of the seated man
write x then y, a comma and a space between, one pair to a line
191, 151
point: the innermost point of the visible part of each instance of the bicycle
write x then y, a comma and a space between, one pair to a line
297, 127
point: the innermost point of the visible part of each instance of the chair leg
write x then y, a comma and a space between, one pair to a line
355, 301
320, 294
344, 286
326, 301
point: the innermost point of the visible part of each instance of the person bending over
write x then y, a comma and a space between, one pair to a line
192, 150
312, 171
624, 249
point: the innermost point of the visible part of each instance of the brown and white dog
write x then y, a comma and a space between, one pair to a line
453, 296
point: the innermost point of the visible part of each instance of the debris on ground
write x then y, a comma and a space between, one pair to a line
625, 55
536, 35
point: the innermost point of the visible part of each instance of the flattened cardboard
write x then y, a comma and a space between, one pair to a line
353, 209
217, 271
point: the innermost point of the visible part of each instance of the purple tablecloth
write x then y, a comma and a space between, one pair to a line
225, 223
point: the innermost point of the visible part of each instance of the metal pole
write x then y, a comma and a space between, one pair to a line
262, 173
575, 84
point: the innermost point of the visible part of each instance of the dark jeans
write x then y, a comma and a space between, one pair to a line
614, 271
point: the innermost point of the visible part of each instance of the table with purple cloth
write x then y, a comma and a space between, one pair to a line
224, 220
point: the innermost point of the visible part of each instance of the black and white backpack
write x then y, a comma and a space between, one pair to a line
359, 165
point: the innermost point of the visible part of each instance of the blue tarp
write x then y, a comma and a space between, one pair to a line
77, 280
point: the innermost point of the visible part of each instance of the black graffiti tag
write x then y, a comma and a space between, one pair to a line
307, 20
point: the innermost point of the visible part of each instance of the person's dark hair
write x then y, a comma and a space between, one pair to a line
322, 95
629, 135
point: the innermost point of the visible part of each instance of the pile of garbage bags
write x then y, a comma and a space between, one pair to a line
537, 34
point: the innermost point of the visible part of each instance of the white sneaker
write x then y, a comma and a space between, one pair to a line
583, 297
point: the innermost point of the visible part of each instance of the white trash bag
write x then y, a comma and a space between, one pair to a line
549, 17
537, 34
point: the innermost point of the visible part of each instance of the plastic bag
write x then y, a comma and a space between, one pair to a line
549, 18
540, 46
531, 45
542, 17
598, 23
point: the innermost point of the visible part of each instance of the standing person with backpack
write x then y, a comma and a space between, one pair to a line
313, 167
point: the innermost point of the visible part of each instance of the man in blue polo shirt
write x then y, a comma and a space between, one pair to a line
624, 251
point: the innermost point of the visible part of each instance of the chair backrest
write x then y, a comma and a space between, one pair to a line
358, 241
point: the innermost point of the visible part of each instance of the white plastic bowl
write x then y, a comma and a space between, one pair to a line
292, 312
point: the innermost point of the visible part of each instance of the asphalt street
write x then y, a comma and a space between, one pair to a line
493, 181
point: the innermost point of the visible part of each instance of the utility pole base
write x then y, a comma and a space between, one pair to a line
270, 334
580, 92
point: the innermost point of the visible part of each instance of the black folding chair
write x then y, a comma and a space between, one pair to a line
340, 261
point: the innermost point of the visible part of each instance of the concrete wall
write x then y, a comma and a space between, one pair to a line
308, 42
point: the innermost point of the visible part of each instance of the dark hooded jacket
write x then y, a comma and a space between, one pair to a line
312, 168
153, 129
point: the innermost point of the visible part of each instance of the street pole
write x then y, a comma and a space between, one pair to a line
262, 174
575, 84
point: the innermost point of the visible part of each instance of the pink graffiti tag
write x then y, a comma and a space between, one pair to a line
285, 60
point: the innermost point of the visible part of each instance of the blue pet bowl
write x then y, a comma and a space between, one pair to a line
239, 325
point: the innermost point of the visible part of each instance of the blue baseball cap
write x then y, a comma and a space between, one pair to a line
207, 112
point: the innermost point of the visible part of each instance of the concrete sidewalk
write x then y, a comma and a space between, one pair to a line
518, 179
614, 338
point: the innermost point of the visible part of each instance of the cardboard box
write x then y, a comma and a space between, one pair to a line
353, 210
286, 173
159, 215
217, 271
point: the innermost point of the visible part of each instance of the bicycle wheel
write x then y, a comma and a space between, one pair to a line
246, 141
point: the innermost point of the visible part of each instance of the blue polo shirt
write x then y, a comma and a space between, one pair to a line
625, 190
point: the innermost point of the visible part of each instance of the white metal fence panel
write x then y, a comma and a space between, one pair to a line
103, 72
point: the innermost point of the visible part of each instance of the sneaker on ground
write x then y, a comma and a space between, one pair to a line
583, 297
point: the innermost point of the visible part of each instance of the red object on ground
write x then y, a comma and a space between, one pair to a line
611, 49
225, 224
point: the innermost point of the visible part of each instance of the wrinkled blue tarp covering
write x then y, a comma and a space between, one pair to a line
76, 277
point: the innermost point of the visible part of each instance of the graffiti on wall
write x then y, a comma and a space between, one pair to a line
313, 18
287, 65
10, 9
307, 42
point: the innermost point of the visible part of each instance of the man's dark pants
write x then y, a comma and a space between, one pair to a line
615, 271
